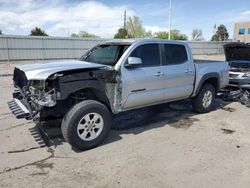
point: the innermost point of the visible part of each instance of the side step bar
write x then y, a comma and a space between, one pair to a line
18, 109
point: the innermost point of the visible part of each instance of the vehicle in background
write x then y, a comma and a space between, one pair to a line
238, 56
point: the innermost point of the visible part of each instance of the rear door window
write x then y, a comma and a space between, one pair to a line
174, 54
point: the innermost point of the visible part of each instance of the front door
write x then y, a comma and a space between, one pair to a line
143, 85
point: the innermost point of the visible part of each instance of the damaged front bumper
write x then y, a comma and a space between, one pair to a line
21, 107
22, 111
31, 95
18, 109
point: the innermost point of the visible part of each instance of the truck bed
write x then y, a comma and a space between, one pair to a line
204, 67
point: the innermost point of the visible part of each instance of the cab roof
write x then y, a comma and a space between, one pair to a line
141, 40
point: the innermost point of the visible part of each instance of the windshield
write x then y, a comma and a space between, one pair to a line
107, 54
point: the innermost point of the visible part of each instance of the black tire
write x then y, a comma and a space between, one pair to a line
198, 105
73, 117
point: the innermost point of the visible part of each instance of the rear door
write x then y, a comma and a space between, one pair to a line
179, 72
143, 85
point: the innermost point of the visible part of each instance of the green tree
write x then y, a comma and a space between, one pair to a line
1, 32
175, 35
38, 32
197, 35
121, 33
135, 29
161, 35
221, 34
84, 34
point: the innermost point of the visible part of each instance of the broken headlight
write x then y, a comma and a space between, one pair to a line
42, 93
48, 98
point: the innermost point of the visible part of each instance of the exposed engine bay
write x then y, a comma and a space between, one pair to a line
238, 56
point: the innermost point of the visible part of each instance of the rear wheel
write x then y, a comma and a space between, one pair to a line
86, 125
204, 101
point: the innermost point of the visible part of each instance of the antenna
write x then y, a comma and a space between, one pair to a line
68, 31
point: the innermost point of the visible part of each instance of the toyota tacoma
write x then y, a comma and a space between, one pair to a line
110, 78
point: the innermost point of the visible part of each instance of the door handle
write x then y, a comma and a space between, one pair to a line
159, 74
188, 71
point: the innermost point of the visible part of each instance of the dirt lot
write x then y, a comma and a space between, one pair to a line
160, 146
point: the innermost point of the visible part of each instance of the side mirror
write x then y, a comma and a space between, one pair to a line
133, 62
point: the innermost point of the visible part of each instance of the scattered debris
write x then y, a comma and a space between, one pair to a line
47, 140
245, 98
241, 95
232, 95
227, 131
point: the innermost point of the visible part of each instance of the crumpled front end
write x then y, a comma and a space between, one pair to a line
30, 96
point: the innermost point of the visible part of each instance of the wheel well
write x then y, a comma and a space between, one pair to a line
214, 82
90, 93
61, 107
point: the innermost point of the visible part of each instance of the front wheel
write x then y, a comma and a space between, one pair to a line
204, 101
86, 125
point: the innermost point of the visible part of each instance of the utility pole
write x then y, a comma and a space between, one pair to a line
125, 20
68, 31
169, 19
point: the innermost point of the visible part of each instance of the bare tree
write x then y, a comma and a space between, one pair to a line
197, 34
135, 29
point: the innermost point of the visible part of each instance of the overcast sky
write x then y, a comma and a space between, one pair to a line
104, 17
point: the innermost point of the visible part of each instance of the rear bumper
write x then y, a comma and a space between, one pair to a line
18, 109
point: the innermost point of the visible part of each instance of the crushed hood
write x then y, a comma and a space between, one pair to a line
237, 51
42, 71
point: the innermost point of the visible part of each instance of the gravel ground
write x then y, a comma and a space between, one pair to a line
160, 146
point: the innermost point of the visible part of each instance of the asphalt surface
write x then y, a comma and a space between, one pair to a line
161, 146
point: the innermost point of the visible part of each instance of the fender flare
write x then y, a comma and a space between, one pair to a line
207, 77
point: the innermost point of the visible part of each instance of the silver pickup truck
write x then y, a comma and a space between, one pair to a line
113, 77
